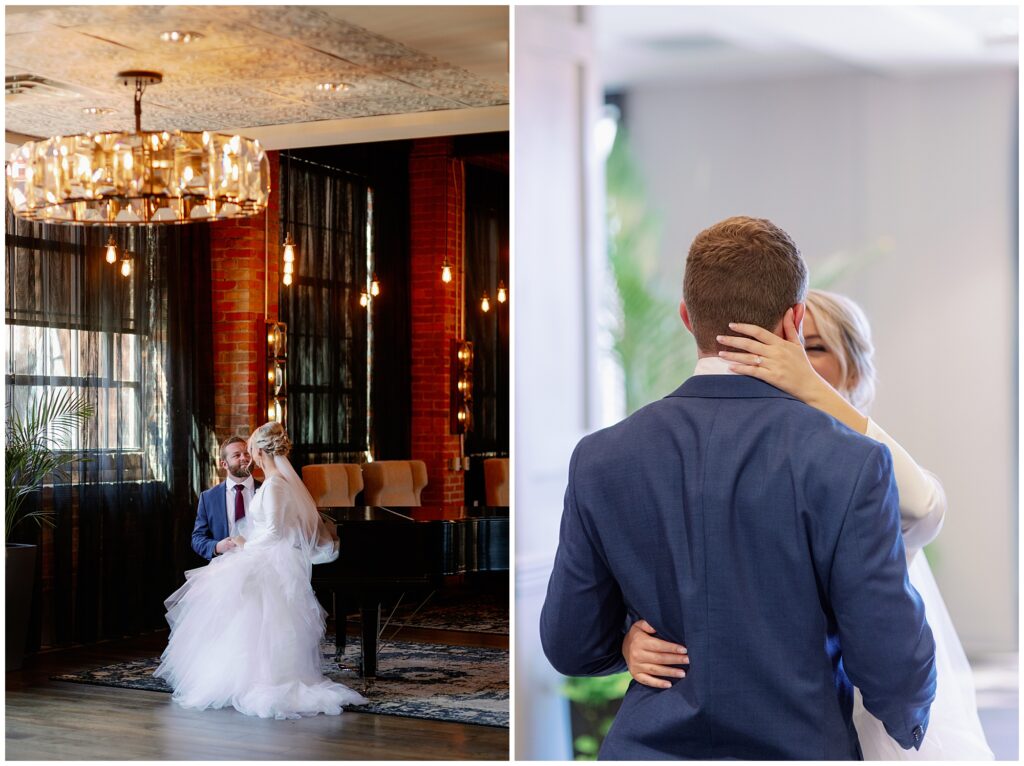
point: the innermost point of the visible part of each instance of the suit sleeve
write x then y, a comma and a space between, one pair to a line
887, 646
581, 624
202, 538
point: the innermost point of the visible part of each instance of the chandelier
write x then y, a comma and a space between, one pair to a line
120, 179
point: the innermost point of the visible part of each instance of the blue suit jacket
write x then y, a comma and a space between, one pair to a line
211, 520
763, 535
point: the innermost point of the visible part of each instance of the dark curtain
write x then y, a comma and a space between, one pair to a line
326, 211
385, 168
486, 265
140, 349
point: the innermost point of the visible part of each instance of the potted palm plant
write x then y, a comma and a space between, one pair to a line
33, 453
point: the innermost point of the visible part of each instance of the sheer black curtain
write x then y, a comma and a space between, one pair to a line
327, 212
486, 265
139, 347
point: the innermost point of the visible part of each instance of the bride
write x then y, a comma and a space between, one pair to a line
246, 629
833, 372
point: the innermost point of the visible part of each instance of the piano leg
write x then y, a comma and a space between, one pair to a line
340, 627
371, 627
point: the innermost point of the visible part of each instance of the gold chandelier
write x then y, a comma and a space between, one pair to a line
121, 179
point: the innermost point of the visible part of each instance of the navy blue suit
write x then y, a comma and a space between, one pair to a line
211, 520
763, 535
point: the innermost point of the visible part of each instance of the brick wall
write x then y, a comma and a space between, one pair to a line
237, 265
436, 207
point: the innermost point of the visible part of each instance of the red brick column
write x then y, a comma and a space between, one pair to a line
437, 196
237, 266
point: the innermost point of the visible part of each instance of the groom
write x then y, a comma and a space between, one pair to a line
221, 508
758, 532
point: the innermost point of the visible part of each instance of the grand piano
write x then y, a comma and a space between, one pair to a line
388, 551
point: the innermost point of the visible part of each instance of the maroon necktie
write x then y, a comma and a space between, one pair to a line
239, 502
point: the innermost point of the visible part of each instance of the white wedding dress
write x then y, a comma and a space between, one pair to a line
246, 628
954, 729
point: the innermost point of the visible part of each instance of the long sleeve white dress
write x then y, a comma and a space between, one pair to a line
954, 730
246, 628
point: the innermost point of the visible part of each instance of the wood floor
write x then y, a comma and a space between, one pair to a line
57, 720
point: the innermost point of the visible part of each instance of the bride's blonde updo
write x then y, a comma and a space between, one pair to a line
272, 439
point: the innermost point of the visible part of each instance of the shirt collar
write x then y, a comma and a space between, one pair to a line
713, 365
249, 482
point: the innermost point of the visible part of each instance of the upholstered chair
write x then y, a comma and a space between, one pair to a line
496, 481
394, 482
333, 484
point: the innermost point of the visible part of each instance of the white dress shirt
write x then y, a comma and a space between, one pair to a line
713, 365
249, 489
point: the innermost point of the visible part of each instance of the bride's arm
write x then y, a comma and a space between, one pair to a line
922, 499
785, 365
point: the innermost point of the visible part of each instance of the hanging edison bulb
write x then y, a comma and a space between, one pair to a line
485, 303
111, 250
502, 293
375, 285
446, 271
364, 299
289, 260
126, 266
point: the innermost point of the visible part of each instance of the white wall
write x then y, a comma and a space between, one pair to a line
559, 249
925, 169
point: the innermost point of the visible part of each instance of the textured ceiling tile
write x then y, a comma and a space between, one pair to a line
254, 66
62, 120
407, 106
68, 56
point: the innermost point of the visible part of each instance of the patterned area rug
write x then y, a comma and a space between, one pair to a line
442, 683
481, 614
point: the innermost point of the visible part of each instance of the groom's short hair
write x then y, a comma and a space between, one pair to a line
741, 270
227, 443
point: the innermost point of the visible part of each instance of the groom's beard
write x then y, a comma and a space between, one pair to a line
242, 472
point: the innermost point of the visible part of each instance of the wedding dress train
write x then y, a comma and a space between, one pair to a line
246, 629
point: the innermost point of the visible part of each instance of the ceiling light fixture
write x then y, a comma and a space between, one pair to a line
174, 36
96, 110
138, 177
333, 87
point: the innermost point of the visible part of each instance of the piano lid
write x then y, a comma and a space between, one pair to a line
426, 513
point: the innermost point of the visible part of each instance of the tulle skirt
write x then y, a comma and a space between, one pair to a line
954, 730
245, 632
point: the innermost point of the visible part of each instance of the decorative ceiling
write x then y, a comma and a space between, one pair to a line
253, 66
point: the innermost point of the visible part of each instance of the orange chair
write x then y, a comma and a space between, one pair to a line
394, 482
333, 484
496, 481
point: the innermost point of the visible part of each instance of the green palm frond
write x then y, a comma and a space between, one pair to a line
33, 451
654, 349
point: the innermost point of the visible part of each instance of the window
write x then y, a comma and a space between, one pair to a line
328, 213
71, 325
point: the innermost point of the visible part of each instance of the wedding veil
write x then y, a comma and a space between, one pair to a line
318, 540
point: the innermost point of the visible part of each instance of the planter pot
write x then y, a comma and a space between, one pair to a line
21, 570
